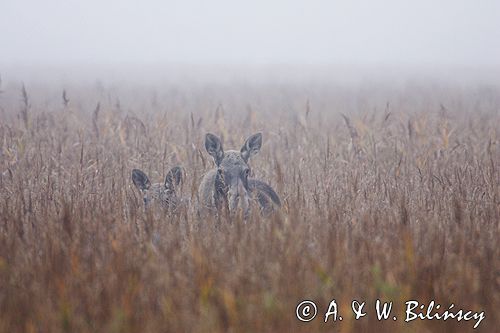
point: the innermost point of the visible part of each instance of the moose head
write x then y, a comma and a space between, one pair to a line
231, 179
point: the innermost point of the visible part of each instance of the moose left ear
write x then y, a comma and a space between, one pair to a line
173, 178
252, 146
213, 145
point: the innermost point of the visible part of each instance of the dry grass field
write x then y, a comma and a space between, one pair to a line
388, 192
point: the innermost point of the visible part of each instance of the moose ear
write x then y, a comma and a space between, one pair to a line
173, 178
213, 146
141, 181
251, 146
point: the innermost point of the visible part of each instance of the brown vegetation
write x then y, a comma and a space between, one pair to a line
388, 193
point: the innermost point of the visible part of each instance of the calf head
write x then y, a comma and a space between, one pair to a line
163, 193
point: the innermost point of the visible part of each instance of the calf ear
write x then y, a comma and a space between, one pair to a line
173, 178
141, 181
251, 147
213, 145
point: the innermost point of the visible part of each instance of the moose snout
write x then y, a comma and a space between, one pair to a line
236, 193
233, 198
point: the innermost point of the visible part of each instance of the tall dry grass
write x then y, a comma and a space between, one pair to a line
388, 193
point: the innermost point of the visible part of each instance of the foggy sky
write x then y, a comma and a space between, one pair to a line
395, 32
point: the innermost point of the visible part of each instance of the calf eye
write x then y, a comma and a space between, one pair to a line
247, 172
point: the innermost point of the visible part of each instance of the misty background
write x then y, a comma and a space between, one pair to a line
222, 38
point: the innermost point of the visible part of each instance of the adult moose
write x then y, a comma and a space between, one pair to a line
228, 185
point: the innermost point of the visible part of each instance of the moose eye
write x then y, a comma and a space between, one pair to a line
247, 172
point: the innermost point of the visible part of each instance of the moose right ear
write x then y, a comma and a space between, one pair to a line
213, 145
141, 181
252, 146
